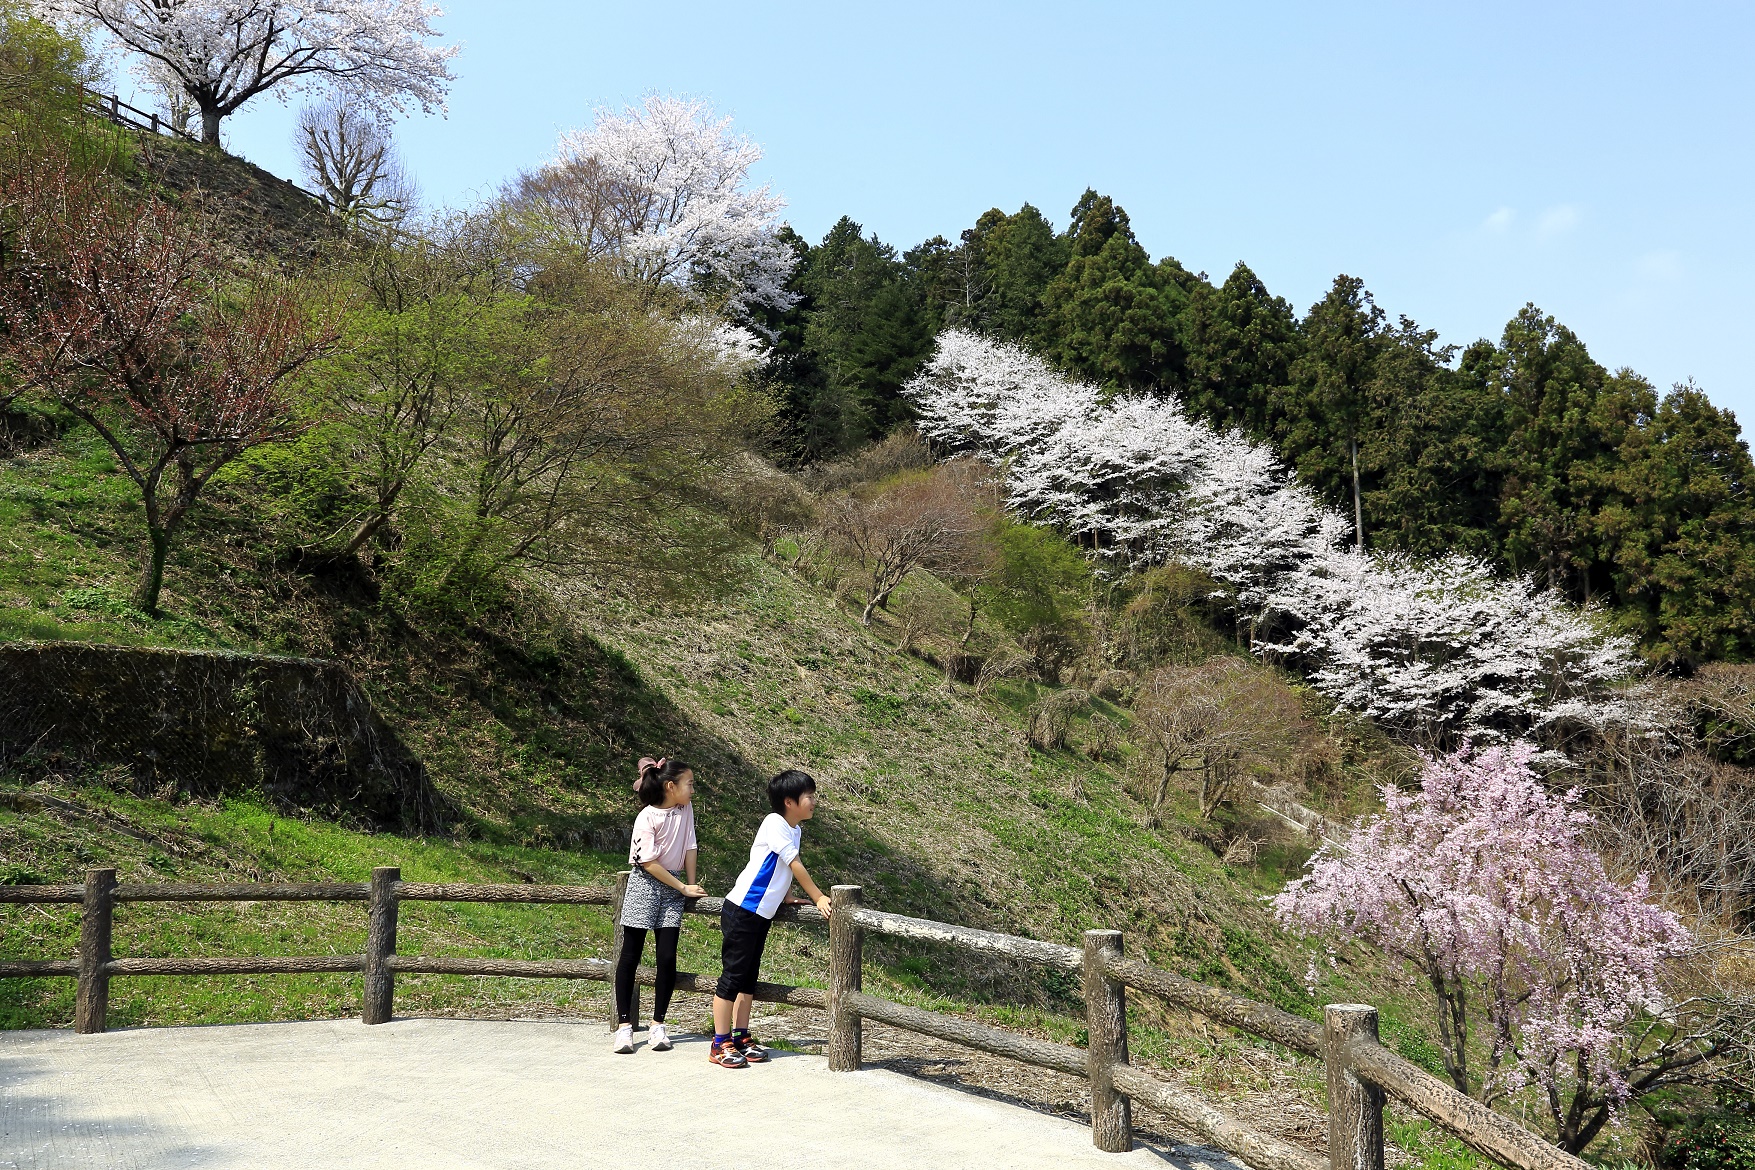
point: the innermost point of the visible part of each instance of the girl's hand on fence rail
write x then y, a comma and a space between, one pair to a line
694, 891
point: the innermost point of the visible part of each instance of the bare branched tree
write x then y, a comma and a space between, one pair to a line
351, 158
934, 520
1217, 718
1668, 801
581, 206
1050, 718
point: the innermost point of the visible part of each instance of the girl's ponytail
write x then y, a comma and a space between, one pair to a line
655, 774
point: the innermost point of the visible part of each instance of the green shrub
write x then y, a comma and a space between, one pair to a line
1039, 593
1715, 1141
42, 70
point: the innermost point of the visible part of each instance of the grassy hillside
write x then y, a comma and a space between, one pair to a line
528, 698
531, 718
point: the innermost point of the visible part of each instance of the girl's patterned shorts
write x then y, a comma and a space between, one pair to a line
650, 904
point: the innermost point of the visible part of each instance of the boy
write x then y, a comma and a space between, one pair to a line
749, 912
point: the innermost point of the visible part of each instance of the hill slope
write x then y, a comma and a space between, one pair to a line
532, 717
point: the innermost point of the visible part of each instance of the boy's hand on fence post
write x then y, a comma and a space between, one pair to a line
824, 905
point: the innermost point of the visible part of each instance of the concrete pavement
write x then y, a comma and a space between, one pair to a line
425, 1094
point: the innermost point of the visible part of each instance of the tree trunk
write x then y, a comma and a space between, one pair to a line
367, 529
1582, 1135
152, 576
881, 587
865, 618
1164, 785
1358, 506
1453, 1029
210, 125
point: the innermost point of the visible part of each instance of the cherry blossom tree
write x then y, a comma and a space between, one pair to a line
1547, 974
737, 349
1443, 651
222, 53
1444, 646
662, 192
114, 306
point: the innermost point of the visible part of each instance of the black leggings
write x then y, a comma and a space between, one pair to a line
633, 943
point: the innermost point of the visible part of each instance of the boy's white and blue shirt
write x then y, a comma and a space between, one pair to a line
765, 880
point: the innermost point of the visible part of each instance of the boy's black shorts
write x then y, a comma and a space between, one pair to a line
743, 935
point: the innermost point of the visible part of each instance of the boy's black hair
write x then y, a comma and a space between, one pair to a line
654, 778
789, 785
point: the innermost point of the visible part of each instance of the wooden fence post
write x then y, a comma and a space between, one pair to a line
1106, 1028
615, 947
846, 958
380, 997
91, 1004
1355, 1106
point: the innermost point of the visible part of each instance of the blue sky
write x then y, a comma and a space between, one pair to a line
1461, 158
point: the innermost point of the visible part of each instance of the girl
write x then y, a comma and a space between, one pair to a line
662, 851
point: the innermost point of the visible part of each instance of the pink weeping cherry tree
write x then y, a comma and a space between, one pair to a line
1550, 978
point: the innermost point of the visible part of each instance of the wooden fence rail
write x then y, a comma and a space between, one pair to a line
110, 106
1360, 1071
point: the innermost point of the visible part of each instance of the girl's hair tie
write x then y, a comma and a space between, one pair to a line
647, 763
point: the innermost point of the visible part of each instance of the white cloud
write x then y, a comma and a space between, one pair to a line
1499, 222
1557, 221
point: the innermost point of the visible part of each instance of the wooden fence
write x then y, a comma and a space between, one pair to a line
1361, 1072
108, 105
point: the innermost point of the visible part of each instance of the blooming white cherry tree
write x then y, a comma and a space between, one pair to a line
735, 349
663, 192
222, 53
1448, 645
1546, 972
1441, 650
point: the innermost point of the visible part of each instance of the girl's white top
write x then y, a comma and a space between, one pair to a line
663, 835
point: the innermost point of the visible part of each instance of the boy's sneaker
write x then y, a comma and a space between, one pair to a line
658, 1040
624, 1039
752, 1049
726, 1054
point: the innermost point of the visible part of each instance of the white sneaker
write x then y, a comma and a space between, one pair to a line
658, 1039
624, 1038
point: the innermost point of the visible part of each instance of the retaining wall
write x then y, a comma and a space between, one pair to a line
199, 723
